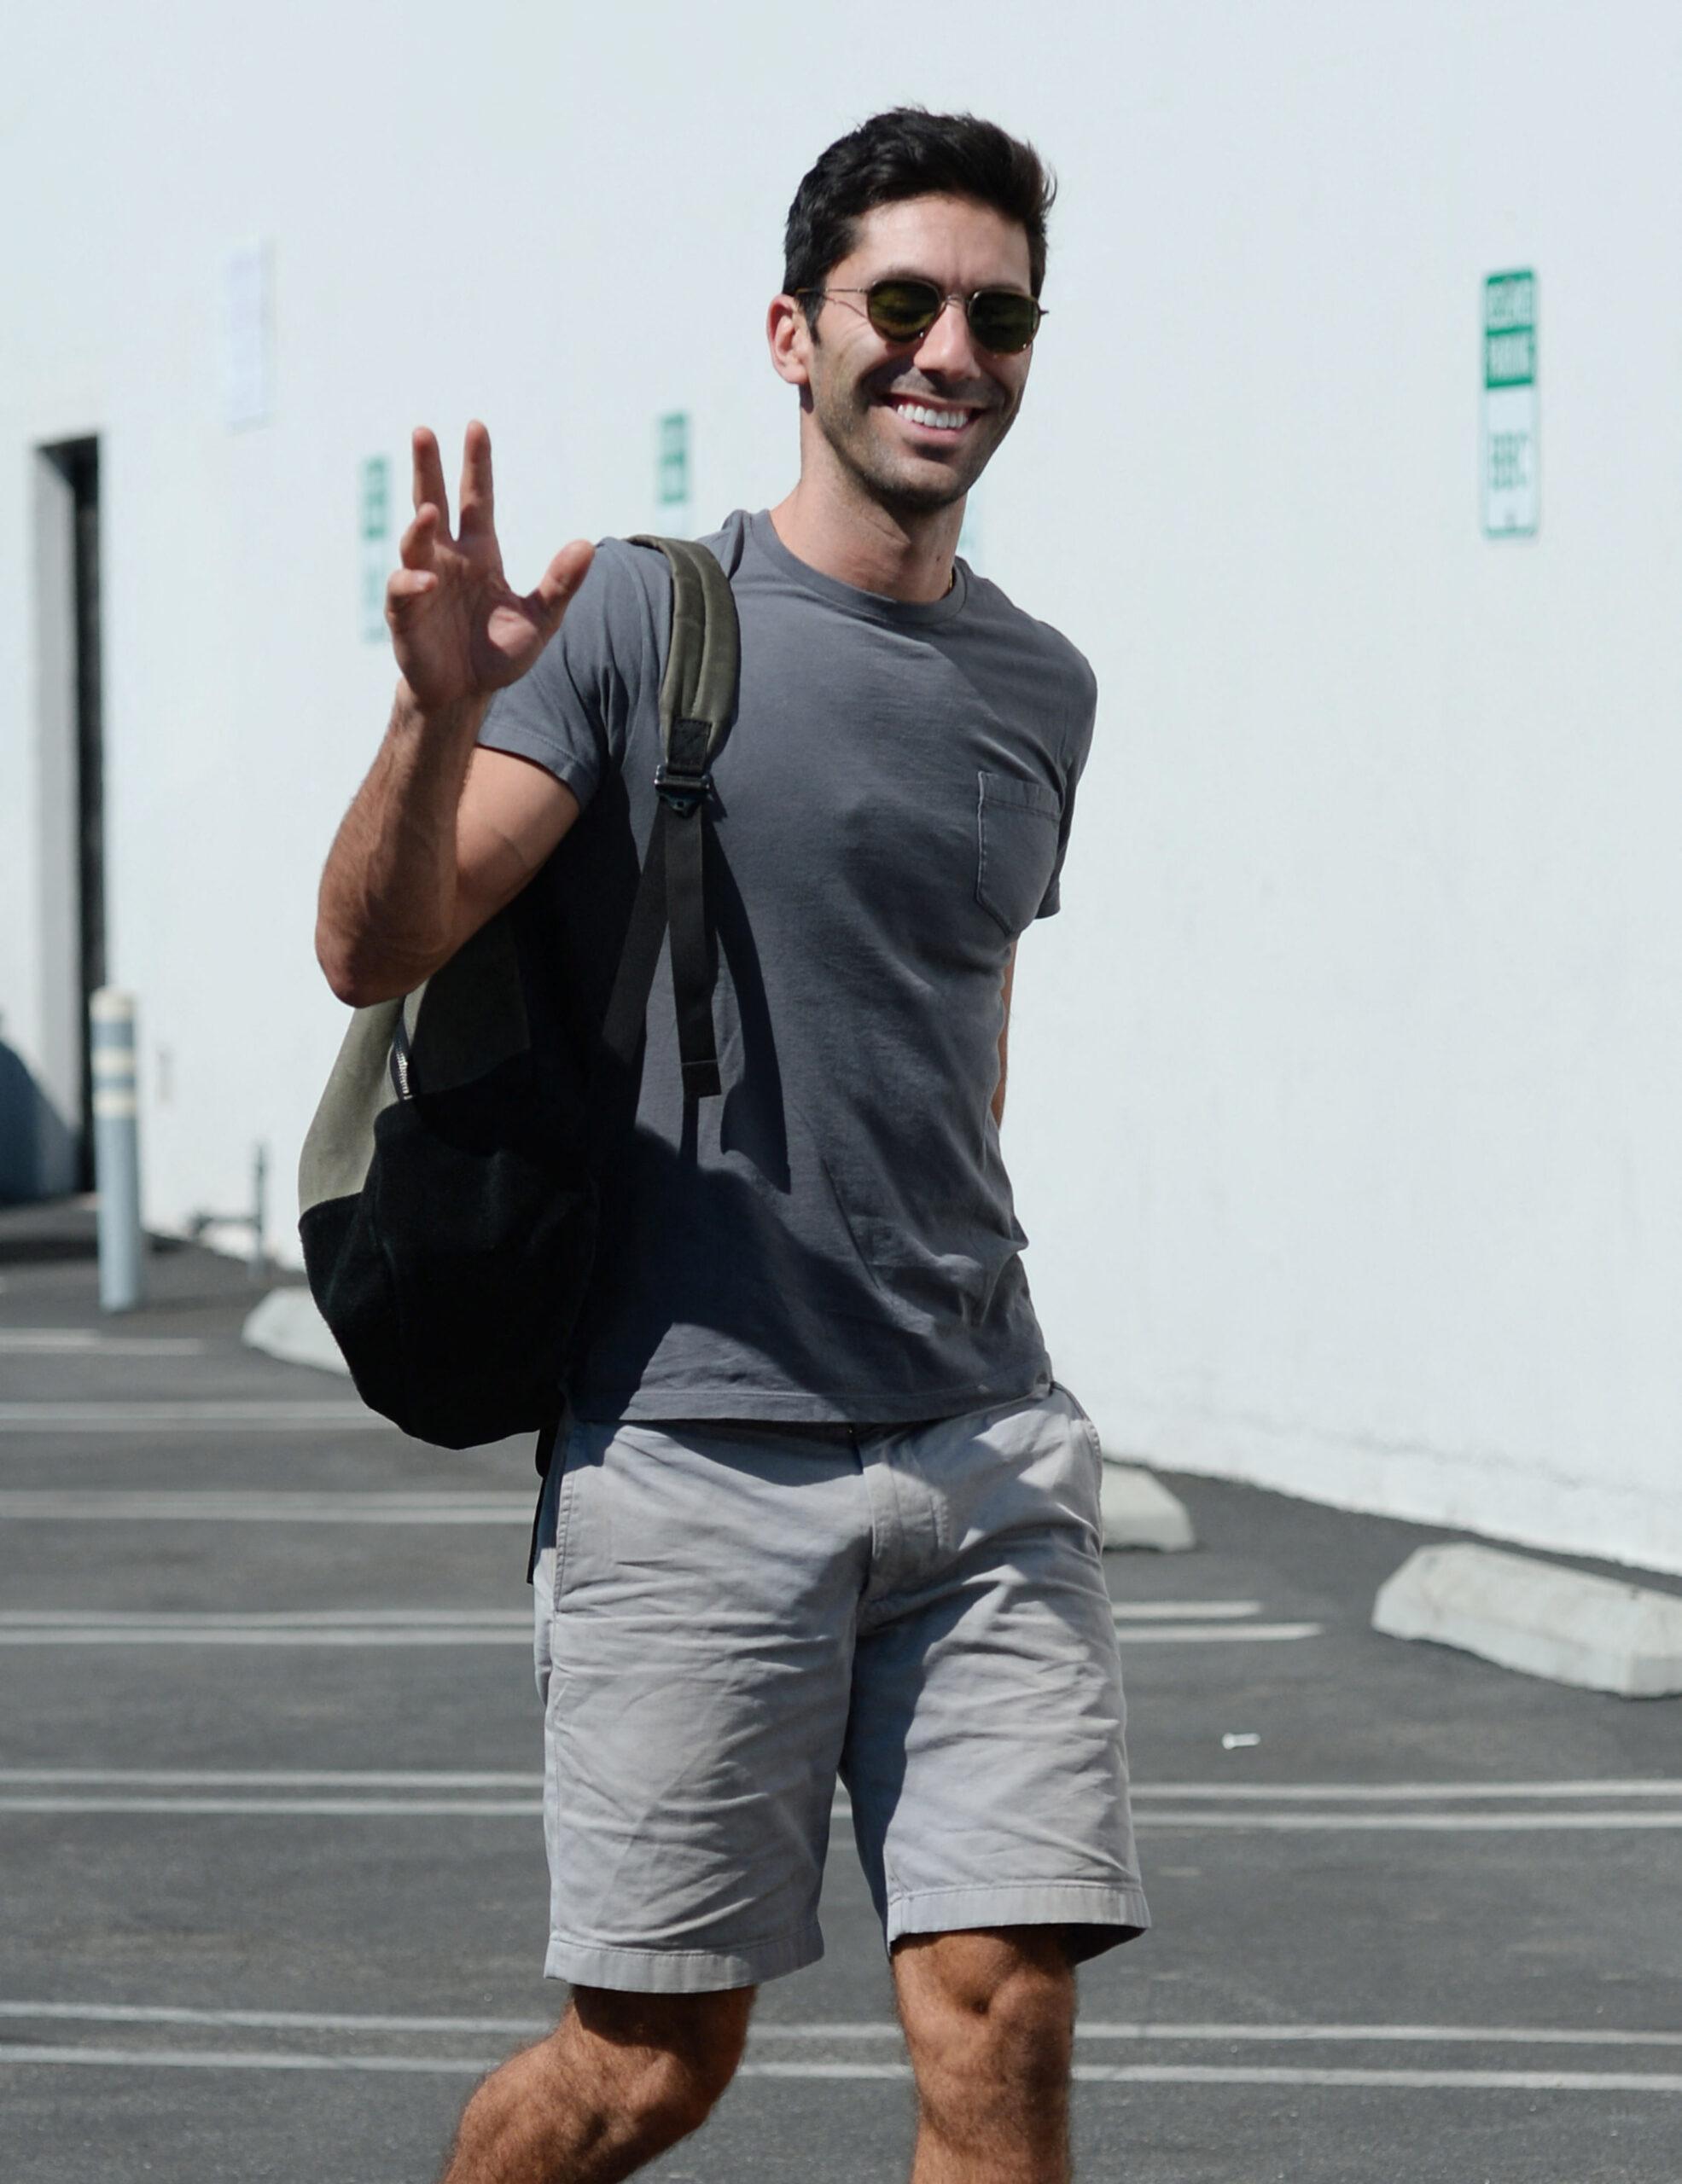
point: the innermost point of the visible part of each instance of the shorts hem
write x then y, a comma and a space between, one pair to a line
641, 1971
1111, 1914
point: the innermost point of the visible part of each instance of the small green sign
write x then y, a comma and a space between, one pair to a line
1509, 420
672, 460
376, 477
1509, 329
376, 528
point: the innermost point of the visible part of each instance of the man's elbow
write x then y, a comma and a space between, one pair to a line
354, 980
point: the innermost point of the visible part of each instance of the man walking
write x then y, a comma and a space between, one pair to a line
818, 1508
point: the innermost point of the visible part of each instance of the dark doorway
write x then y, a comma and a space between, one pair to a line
76, 462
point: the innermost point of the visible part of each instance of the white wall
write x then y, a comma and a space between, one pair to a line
1344, 1092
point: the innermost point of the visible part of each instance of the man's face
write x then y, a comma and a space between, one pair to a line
862, 387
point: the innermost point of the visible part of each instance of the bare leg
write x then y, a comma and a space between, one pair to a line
989, 2018
621, 2079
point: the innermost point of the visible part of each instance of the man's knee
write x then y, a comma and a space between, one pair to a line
996, 2004
664, 2060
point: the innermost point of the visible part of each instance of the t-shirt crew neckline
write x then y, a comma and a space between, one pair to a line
897, 613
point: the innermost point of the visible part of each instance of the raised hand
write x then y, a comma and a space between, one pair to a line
458, 629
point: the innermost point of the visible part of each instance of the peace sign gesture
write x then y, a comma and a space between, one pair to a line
458, 629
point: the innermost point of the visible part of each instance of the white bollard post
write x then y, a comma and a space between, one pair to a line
116, 1108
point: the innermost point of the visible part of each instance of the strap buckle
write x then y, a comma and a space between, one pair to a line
679, 788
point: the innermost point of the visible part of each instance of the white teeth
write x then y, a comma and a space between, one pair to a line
948, 419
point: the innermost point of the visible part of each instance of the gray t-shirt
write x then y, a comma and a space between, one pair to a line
833, 1239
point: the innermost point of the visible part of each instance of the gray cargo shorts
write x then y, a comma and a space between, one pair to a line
731, 1616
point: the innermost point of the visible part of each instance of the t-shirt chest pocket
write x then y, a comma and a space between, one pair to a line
1016, 824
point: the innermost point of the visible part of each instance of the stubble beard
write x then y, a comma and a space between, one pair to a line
853, 441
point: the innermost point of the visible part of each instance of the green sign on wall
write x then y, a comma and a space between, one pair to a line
672, 460
1510, 490
377, 551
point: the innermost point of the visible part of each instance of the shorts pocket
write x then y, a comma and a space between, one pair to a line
565, 1459
1016, 823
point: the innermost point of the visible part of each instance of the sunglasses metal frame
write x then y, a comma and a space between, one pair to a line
955, 296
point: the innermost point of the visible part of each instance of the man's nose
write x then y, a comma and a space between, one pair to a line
948, 345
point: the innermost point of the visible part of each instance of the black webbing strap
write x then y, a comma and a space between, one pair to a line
697, 702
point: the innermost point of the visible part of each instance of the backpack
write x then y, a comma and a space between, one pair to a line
450, 1184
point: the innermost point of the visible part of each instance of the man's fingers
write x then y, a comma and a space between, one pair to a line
478, 500
560, 579
429, 475
404, 584
414, 547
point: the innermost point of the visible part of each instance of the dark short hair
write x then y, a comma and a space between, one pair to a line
909, 152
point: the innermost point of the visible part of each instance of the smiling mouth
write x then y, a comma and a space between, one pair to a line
934, 419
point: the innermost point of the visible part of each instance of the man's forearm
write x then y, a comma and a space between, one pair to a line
387, 912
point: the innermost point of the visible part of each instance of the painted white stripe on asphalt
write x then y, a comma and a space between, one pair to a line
1365, 1792
105, 1507
494, 1628
1156, 2030
1217, 1634
210, 2058
1182, 1611
58, 1342
1147, 1822
128, 1417
440, 1780
316, 1808
1424, 2081
1442, 1823
1091, 2073
278, 1777
405, 1619
216, 1634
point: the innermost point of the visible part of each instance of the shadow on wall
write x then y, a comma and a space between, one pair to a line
37, 1147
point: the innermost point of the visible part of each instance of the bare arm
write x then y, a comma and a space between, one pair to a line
442, 833
1005, 1037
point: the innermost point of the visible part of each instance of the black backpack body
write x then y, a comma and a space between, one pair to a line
449, 1185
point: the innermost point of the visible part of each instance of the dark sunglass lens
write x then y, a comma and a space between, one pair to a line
1003, 321
901, 309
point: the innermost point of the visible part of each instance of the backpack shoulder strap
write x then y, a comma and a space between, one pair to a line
697, 691
697, 703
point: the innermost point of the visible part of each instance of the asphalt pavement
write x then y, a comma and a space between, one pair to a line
271, 1876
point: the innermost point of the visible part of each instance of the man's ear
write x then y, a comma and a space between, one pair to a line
789, 339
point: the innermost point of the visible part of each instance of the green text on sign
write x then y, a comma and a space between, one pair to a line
1511, 495
671, 472
375, 529
1509, 329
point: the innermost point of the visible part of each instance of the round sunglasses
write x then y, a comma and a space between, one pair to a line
1002, 321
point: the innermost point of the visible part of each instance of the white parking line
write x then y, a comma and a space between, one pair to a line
1650, 1785
278, 1777
404, 1619
1442, 1823
61, 1342
208, 1416
19, 2053
1182, 1611
292, 1808
1161, 2031
453, 1779
1217, 1634
491, 1627
103, 1506
1147, 1821
210, 1633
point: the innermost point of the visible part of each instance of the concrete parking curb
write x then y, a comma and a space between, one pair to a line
287, 1325
1539, 1617
1138, 1511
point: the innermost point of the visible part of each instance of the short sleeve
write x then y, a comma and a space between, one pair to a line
572, 712
1079, 742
